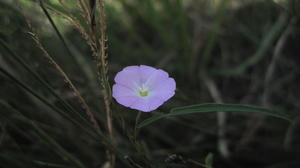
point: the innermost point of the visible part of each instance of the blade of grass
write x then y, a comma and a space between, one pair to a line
55, 28
50, 141
214, 107
42, 99
95, 135
61, 151
44, 83
81, 62
66, 78
98, 136
46, 164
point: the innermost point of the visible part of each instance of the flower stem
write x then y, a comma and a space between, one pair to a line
138, 116
136, 131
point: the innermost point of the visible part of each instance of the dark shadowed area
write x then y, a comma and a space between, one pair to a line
240, 56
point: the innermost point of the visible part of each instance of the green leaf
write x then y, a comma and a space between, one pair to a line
214, 107
151, 120
56, 146
44, 83
209, 160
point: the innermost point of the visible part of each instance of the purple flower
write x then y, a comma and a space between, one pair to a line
143, 87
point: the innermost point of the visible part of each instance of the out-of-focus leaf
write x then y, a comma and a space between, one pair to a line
209, 160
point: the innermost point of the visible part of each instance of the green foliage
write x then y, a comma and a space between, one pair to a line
204, 108
43, 125
209, 160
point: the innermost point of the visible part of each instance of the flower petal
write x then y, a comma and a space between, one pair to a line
141, 104
164, 88
133, 79
120, 90
156, 78
165, 95
167, 84
155, 102
147, 104
146, 72
129, 76
127, 101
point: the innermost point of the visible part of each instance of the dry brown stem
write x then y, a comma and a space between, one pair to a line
67, 80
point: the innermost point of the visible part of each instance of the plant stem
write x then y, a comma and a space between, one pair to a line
138, 116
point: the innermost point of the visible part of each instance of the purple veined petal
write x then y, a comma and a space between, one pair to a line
164, 89
141, 104
127, 101
165, 95
146, 72
129, 76
132, 81
167, 84
155, 102
148, 104
156, 79
120, 90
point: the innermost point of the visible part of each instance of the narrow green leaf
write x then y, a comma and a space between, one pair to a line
57, 147
39, 97
44, 83
209, 160
214, 107
151, 120
46, 164
98, 136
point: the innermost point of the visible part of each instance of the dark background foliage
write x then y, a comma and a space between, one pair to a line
232, 51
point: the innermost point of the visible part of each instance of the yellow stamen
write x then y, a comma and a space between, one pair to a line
143, 93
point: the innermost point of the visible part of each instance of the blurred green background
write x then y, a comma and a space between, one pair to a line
233, 51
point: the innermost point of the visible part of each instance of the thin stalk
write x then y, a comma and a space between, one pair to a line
102, 65
42, 99
78, 58
138, 116
55, 28
27, 67
70, 83
95, 135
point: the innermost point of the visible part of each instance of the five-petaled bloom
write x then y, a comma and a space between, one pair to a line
143, 87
